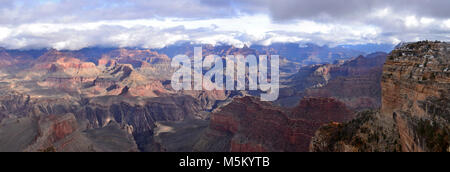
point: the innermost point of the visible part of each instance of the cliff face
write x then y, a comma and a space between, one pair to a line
5, 58
355, 82
416, 84
61, 133
415, 110
248, 125
369, 132
137, 116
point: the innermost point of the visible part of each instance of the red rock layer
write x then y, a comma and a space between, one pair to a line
355, 82
258, 126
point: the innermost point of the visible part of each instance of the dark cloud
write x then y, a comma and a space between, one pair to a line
85, 10
347, 9
63, 11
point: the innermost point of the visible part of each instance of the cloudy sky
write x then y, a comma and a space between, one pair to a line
70, 24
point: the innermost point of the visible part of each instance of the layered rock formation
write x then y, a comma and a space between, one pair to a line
415, 107
100, 88
248, 125
61, 133
123, 78
5, 58
121, 100
105, 99
67, 73
308, 54
137, 57
416, 84
355, 82
369, 132
136, 115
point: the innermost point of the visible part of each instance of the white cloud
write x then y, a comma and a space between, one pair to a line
381, 13
4, 33
276, 38
158, 33
447, 23
155, 24
411, 21
427, 21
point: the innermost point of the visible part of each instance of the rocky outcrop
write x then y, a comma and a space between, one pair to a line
177, 136
52, 129
5, 58
309, 53
61, 72
369, 132
415, 108
248, 125
115, 79
135, 57
14, 104
322, 110
355, 82
137, 115
416, 84
61, 133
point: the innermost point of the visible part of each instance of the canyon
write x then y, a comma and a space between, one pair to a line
249, 125
121, 99
415, 109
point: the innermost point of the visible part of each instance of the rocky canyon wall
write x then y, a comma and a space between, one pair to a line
415, 110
